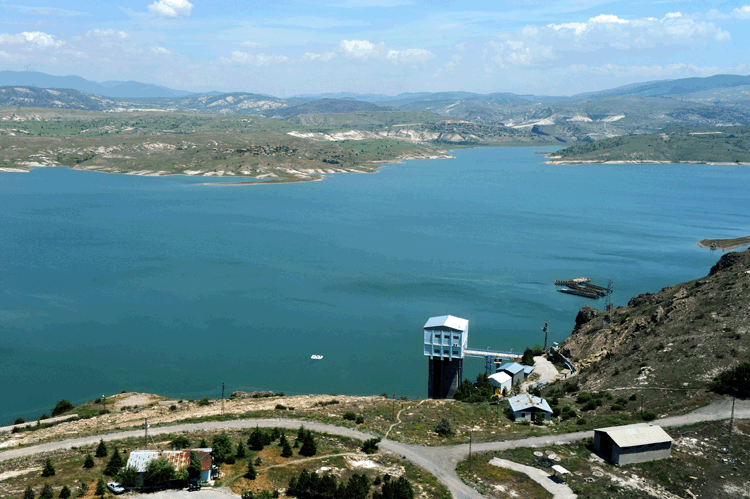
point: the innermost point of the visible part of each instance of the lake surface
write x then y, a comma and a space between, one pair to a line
115, 282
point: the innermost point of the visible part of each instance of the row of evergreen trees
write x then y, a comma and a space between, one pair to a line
309, 485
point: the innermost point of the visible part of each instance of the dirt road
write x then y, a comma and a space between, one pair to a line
439, 461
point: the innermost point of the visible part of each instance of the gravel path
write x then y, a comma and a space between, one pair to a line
439, 461
559, 490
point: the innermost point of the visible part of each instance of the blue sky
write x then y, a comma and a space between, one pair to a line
289, 47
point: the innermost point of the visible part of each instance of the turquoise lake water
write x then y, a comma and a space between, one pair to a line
115, 282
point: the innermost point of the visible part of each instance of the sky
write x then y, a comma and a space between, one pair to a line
293, 47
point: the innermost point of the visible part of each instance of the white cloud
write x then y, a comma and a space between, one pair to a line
409, 55
252, 45
324, 57
160, 51
107, 33
742, 12
361, 4
32, 40
360, 49
171, 8
655, 71
5, 55
239, 57
537, 44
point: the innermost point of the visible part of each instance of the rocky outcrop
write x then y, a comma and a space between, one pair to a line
254, 395
585, 315
726, 261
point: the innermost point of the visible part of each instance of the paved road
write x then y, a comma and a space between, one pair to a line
439, 461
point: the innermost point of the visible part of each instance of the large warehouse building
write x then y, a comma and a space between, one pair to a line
630, 444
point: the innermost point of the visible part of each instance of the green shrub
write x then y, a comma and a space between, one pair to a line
581, 421
349, 416
19, 421
88, 462
180, 442
648, 416
64, 492
204, 402
583, 397
61, 407
370, 446
443, 428
360, 419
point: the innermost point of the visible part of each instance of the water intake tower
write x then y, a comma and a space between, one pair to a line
445, 339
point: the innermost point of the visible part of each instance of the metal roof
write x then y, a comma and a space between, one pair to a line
139, 459
528, 369
179, 458
511, 367
449, 321
526, 401
637, 434
500, 377
205, 457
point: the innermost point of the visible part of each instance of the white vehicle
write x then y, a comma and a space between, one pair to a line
115, 488
316, 357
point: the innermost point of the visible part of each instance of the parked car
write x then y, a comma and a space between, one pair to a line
115, 488
194, 486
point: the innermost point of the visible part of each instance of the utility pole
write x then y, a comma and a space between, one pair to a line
545, 329
393, 411
145, 438
222, 398
731, 423
469, 451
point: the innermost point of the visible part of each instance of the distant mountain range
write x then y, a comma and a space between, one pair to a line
136, 90
117, 89
721, 100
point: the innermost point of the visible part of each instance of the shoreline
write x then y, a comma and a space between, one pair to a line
554, 160
724, 244
375, 165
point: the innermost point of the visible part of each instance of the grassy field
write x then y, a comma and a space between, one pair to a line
699, 464
337, 455
728, 145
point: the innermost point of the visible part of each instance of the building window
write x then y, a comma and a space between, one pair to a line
455, 352
455, 337
445, 352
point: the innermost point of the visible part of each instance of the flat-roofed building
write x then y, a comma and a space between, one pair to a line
515, 371
501, 381
630, 444
445, 339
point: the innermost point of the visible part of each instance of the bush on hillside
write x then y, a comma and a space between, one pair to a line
735, 381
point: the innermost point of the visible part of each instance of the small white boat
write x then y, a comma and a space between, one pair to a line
316, 357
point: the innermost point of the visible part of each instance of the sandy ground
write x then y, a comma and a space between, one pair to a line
205, 493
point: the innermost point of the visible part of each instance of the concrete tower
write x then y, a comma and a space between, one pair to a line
445, 339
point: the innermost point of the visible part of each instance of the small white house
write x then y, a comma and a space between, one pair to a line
501, 381
525, 406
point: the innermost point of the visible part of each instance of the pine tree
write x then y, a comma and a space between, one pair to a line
241, 450
49, 469
203, 444
286, 451
29, 493
101, 450
88, 463
309, 447
251, 473
46, 492
100, 488
196, 467
115, 463
64, 493
256, 441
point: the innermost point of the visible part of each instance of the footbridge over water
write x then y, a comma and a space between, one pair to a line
446, 343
